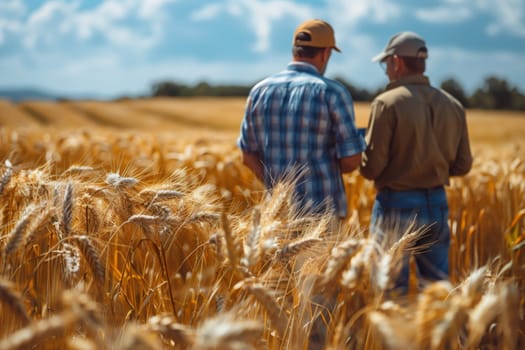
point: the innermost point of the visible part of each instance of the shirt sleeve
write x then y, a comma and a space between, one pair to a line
463, 161
378, 138
348, 140
247, 141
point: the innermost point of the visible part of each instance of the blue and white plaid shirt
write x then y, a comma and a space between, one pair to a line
299, 120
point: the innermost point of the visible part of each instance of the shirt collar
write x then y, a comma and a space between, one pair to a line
299, 66
417, 79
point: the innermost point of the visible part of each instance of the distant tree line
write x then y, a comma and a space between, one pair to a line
495, 93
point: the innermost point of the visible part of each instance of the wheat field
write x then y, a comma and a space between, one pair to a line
133, 224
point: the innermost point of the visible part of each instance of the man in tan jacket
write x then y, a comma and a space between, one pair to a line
417, 139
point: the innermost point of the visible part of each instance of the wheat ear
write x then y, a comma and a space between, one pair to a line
119, 182
277, 202
31, 335
13, 300
294, 248
340, 256
179, 333
6, 177
223, 332
360, 263
92, 257
16, 236
67, 210
252, 247
267, 299
230, 244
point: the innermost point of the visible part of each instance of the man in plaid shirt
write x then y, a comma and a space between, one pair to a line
300, 124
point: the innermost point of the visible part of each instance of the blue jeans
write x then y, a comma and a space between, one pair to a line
392, 213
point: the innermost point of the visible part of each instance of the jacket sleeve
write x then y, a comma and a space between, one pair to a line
463, 162
378, 138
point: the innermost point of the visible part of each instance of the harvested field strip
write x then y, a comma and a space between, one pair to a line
175, 118
204, 112
55, 114
13, 116
495, 127
116, 114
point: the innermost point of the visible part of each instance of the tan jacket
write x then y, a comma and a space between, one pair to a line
417, 137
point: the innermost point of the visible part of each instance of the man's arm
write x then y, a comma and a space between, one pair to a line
378, 136
349, 164
253, 162
349, 143
463, 161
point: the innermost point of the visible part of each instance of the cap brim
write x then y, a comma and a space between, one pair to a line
380, 57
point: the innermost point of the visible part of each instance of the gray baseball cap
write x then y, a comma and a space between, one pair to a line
406, 44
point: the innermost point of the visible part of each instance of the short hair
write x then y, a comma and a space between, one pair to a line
305, 51
415, 64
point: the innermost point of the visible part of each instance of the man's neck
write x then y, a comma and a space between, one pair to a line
313, 61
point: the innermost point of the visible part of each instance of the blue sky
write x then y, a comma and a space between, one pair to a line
117, 47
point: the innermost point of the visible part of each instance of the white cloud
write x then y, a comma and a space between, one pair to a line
346, 16
353, 12
40, 27
132, 24
260, 16
10, 26
445, 14
151, 9
207, 12
10, 8
10, 13
507, 16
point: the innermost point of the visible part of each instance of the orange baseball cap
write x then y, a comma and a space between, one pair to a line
321, 33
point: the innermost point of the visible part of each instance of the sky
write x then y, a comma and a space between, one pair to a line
112, 48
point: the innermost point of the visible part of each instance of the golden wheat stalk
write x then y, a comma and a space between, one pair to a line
136, 336
340, 255
92, 257
391, 331
355, 275
16, 236
267, 299
203, 216
120, 182
252, 247
6, 177
277, 203
39, 331
432, 305
446, 329
10, 297
178, 333
510, 318
71, 256
67, 210
472, 287
485, 312
230, 244
79, 170
295, 248
82, 303
164, 195
224, 332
